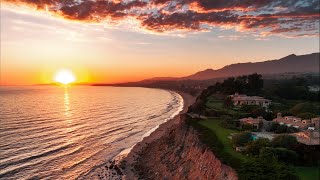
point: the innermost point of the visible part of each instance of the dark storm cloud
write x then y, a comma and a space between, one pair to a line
267, 16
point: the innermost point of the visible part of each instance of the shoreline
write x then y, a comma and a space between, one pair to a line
159, 132
120, 166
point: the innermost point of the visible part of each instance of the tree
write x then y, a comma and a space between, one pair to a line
305, 107
286, 113
242, 138
308, 155
285, 155
285, 141
228, 103
306, 115
292, 89
228, 122
269, 116
267, 154
266, 167
255, 83
253, 147
281, 154
247, 108
251, 84
272, 127
258, 111
248, 127
292, 130
281, 129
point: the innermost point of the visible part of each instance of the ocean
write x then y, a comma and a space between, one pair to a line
62, 132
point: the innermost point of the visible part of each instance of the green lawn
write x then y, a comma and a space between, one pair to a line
216, 104
308, 173
222, 134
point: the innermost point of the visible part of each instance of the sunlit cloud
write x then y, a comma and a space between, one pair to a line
272, 17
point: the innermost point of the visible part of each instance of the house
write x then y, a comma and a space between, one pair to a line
308, 137
293, 121
241, 99
256, 122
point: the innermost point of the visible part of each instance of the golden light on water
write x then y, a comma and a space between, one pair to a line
66, 102
64, 76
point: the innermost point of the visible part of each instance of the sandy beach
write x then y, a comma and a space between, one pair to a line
121, 166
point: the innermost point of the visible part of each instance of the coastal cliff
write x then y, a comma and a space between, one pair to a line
179, 154
172, 151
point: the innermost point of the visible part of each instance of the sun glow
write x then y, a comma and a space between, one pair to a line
64, 76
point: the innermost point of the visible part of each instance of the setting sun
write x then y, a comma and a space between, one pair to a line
64, 76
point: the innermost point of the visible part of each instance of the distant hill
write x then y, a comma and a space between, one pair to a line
292, 63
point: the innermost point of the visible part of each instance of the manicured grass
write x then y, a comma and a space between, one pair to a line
216, 104
308, 173
222, 134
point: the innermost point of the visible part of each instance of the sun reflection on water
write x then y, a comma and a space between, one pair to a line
66, 102
69, 127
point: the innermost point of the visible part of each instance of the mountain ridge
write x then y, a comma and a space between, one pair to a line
290, 63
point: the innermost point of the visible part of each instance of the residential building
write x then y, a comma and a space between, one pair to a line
256, 122
293, 121
241, 99
308, 137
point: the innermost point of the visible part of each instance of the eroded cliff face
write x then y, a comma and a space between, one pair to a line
180, 155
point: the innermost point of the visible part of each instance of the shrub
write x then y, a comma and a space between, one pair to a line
253, 147
272, 127
269, 116
265, 167
258, 111
228, 122
249, 108
281, 129
241, 139
248, 127
285, 141
292, 129
285, 155
281, 154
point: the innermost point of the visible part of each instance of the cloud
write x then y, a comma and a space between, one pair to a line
294, 18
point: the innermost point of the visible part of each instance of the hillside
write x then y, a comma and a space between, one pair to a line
292, 63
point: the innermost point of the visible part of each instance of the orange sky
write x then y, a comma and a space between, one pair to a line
34, 45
